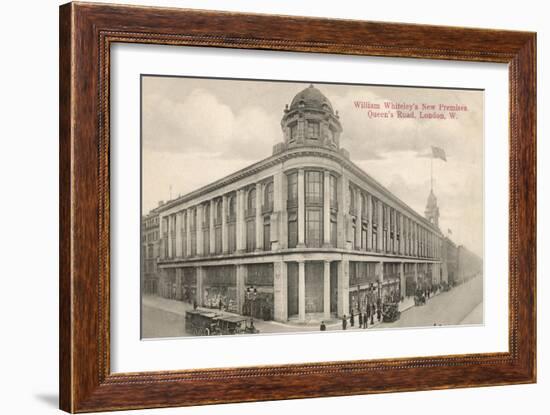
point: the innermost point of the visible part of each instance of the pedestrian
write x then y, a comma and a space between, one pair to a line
365, 320
323, 327
220, 304
351, 319
379, 314
194, 304
372, 314
360, 319
344, 323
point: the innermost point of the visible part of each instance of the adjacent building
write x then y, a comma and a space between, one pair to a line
150, 241
302, 234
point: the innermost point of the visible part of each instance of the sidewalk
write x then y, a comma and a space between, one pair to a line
179, 308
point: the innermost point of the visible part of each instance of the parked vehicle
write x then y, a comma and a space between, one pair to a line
202, 323
208, 323
232, 324
390, 312
419, 299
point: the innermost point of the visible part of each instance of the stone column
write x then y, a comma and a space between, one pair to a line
369, 218
278, 220
178, 234
200, 276
343, 288
301, 209
259, 218
240, 224
200, 244
211, 232
225, 241
302, 290
401, 235
280, 291
358, 223
415, 239
326, 209
240, 274
403, 285
170, 241
380, 272
326, 291
416, 273
188, 231
343, 210
380, 227
389, 245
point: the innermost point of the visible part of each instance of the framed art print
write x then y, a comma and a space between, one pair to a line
251, 203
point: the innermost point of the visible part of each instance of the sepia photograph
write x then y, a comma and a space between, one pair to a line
283, 206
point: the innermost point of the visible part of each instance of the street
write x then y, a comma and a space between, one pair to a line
461, 305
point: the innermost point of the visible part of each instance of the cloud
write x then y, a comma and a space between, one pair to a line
201, 123
377, 138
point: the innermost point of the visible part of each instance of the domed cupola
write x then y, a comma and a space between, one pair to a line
311, 120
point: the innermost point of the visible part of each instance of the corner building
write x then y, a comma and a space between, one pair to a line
304, 234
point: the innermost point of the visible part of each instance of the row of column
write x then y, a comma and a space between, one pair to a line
278, 218
175, 223
431, 240
280, 286
280, 290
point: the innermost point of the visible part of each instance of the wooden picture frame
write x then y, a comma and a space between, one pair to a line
86, 33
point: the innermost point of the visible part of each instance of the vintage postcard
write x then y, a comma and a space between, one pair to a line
285, 206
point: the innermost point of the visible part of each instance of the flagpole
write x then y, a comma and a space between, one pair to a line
432, 173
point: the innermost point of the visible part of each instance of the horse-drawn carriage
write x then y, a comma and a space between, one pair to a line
208, 323
390, 312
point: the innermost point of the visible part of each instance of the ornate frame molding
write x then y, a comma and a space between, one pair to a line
86, 33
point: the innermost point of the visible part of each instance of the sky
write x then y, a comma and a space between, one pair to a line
197, 130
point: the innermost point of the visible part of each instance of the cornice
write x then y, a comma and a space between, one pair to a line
292, 153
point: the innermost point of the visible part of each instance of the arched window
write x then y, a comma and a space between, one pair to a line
268, 197
206, 230
219, 210
218, 227
206, 219
351, 201
231, 208
251, 221
293, 132
251, 203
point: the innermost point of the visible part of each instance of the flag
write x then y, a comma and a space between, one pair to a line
438, 153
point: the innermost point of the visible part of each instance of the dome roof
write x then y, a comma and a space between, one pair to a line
311, 98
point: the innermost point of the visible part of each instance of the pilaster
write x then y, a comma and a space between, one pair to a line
302, 290
326, 290
280, 291
343, 288
259, 218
